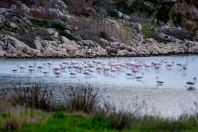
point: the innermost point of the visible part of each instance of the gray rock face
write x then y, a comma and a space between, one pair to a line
11, 47
174, 32
70, 46
15, 48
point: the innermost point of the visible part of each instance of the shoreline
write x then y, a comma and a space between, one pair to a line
101, 56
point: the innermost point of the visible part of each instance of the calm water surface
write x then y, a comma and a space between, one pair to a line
128, 83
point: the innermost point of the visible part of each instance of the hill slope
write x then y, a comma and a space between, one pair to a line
90, 28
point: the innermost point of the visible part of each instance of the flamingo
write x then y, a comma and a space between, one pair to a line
129, 75
22, 68
14, 70
169, 66
159, 83
45, 73
184, 67
73, 75
31, 70
39, 68
191, 83
56, 71
139, 77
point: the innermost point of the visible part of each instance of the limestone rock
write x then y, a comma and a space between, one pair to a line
91, 48
13, 46
71, 46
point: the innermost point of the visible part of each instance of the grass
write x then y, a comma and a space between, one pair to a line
78, 122
80, 113
60, 121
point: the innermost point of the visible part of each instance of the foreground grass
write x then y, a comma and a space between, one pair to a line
30, 110
70, 123
38, 121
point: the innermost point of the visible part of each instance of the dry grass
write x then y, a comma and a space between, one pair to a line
91, 28
34, 96
81, 99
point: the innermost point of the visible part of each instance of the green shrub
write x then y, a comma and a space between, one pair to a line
58, 25
112, 12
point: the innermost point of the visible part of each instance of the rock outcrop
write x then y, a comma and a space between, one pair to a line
11, 47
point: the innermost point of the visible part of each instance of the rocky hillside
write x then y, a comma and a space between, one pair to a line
90, 28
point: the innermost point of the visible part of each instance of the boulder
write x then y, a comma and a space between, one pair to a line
2, 11
122, 53
24, 10
71, 46
126, 17
15, 48
91, 48
137, 25
111, 51
13, 25
120, 14
15, 19
50, 31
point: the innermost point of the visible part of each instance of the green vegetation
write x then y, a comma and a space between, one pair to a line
38, 121
60, 26
60, 121
138, 6
25, 111
147, 31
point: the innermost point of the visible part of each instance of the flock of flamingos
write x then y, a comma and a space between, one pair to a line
135, 69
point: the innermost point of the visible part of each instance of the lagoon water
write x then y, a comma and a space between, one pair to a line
128, 83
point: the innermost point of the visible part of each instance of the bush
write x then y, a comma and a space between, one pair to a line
83, 99
26, 37
112, 12
12, 124
58, 25
104, 35
118, 120
34, 96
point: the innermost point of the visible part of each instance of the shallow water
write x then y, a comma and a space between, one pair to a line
118, 78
